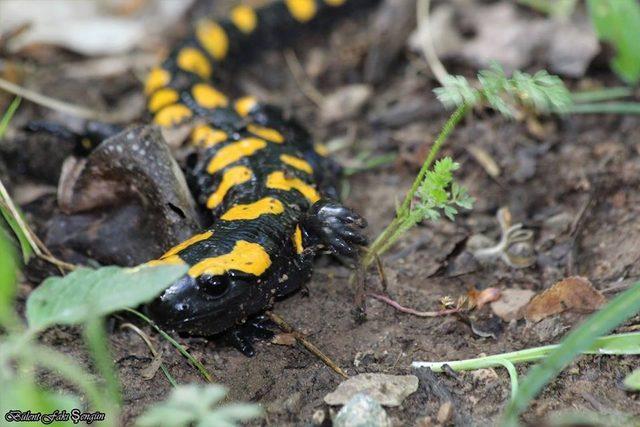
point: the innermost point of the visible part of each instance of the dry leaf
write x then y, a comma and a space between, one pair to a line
478, 298
284, 339
573, 293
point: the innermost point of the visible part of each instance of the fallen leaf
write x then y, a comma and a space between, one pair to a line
573, 293
284, 339
388, 390
480, 298
511, 303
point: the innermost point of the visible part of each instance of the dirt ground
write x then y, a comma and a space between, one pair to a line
573, 181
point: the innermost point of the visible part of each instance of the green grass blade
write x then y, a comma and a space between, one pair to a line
604, 94
8, 115
25, 245
624, 306
605, 108
195, 362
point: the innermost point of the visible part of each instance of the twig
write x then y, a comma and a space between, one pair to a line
195, 362
307, 344
57, 105
428, 49
301, 79
407, 310
38, 247
383, 276
152, 349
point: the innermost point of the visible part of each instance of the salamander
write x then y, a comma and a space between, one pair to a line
269, 190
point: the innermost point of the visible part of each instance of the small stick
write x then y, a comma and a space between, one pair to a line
407, 310
38, 247
57, 105
383, 276
307, 344
301, 79
152, 349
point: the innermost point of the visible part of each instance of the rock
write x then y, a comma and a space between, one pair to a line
344, 103
445, 412
362, 411
388, 390
510, 305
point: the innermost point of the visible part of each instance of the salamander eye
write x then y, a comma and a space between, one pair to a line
214, 286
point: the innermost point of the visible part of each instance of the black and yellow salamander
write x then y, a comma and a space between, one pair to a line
269, 189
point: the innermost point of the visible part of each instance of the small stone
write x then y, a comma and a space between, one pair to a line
445, 413
388, 390
362, 411
346, 102
424, 422
511, 304
318, 417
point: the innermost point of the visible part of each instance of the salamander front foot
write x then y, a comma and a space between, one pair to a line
241, 337
335, 227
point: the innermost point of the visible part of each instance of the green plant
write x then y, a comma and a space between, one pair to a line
198, 405
618, 22
585, 339
435, 190
540, 93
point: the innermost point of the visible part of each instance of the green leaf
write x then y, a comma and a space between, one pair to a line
618, 22
25, 246
8, 115
632, 381
27, 396
457, 91
7, 275
87, 293
621, 308
195, 404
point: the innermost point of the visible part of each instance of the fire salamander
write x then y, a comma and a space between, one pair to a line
270, 190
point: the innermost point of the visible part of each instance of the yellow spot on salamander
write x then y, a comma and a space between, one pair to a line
172, 115
208, 97
246, 257
297, 240
170, 260
266, 133
206, 136
162, 98
266, 205
244, 18
234, 152
245, 104
296, 163
279, 181
174, 251
301, 10
213, 38
193, 60
158, 77
334, 3
321, 149
233, 176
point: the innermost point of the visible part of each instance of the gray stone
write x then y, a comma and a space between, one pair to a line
388, 390
362, 411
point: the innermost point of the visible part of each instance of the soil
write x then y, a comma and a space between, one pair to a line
572, 181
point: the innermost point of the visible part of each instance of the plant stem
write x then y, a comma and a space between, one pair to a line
195, 362
605, 108
96, 340
604, 94
391, 234
621, 308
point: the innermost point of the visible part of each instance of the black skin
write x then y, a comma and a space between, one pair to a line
210, 305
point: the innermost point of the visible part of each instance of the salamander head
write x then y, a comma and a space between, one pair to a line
206, 305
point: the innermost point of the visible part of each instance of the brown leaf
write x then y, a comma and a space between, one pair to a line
284, 339
573, 293
480, 298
